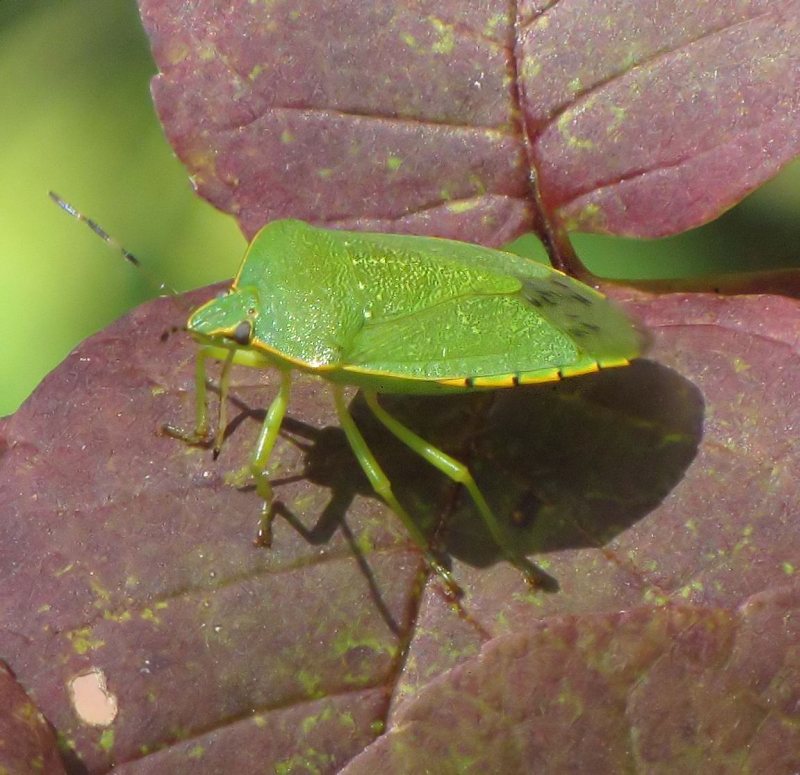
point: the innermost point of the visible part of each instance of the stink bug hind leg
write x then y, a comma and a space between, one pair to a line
458, 472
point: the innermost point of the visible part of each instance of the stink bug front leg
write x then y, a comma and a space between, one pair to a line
261, 455
200, 435
257, 467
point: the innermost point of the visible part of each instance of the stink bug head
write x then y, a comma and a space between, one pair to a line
225, 327
228, 319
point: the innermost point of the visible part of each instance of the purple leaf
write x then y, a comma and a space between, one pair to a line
638, 691
479, 122
156, 637
667, 489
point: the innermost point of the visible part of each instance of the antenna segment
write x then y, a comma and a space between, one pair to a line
109, 240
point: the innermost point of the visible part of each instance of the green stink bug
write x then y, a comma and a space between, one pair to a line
390, 313
395, 314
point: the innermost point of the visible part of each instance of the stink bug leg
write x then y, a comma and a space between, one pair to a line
261, 454
459, 473
383, 487
200, 434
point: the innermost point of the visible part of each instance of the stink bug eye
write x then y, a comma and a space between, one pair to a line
243, 333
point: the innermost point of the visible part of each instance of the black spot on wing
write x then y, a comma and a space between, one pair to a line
560, 283
583, 330
582, 299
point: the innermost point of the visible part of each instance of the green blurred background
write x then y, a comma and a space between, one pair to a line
76, 117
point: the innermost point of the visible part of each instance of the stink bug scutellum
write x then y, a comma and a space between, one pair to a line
390, 313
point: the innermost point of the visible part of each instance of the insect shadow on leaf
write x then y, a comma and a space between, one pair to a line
576, 463
569, 465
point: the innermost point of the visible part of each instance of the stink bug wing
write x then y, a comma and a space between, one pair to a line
453, 310
597, 326
398, 275
467, 336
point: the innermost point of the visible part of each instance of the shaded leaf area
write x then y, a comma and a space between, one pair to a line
666, 489
478, 121
27, 744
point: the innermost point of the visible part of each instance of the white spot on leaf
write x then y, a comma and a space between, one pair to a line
90, 698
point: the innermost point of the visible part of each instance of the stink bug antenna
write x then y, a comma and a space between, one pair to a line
163, 288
